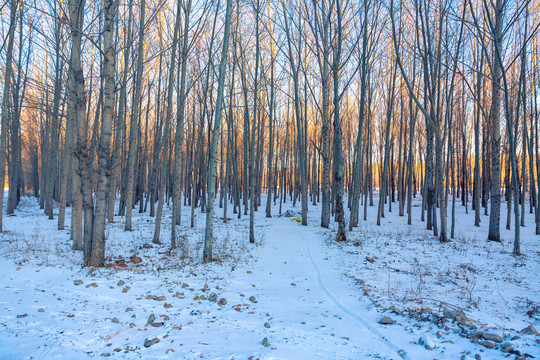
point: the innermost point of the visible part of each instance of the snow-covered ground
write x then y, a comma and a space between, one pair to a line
295, 290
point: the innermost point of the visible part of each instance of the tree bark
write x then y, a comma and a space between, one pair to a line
208, 236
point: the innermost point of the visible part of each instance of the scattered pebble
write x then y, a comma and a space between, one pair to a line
488, 343
428, 343
386, 320
148, 343
530, 330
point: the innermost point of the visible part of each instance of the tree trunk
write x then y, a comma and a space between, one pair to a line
6, 110
495, 129
208, 236
134, 128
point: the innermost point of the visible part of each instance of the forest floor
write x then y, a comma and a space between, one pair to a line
294, 294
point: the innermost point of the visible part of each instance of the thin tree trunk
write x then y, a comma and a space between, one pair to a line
134, 128
208, 236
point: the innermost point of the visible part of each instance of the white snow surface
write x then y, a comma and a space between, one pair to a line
320, 299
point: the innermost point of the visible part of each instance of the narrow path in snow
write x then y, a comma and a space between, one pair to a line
295, 254
352, 314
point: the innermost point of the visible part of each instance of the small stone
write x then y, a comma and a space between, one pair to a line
371, 259
448, 314
159, 298
135, 259
126, 289
121, 282
78, 282
20, 316
167, 306
222, 302
252, 299
474, 336
265, 342
293, 284
530, 330
477, 356
386, 320
454, 316
41, 310
105, 354
115, 320
488, 343
439, 334
151, 321
493, 337
267, 325
148, 343
428, 343
184, 285
212, 298
129, 309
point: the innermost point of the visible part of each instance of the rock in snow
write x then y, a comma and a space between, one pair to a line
148, 343
222, 302
530, 330
488, 343
386, 320
427, 342
493, 336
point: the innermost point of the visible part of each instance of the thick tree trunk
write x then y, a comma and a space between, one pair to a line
109, 63
495, 130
